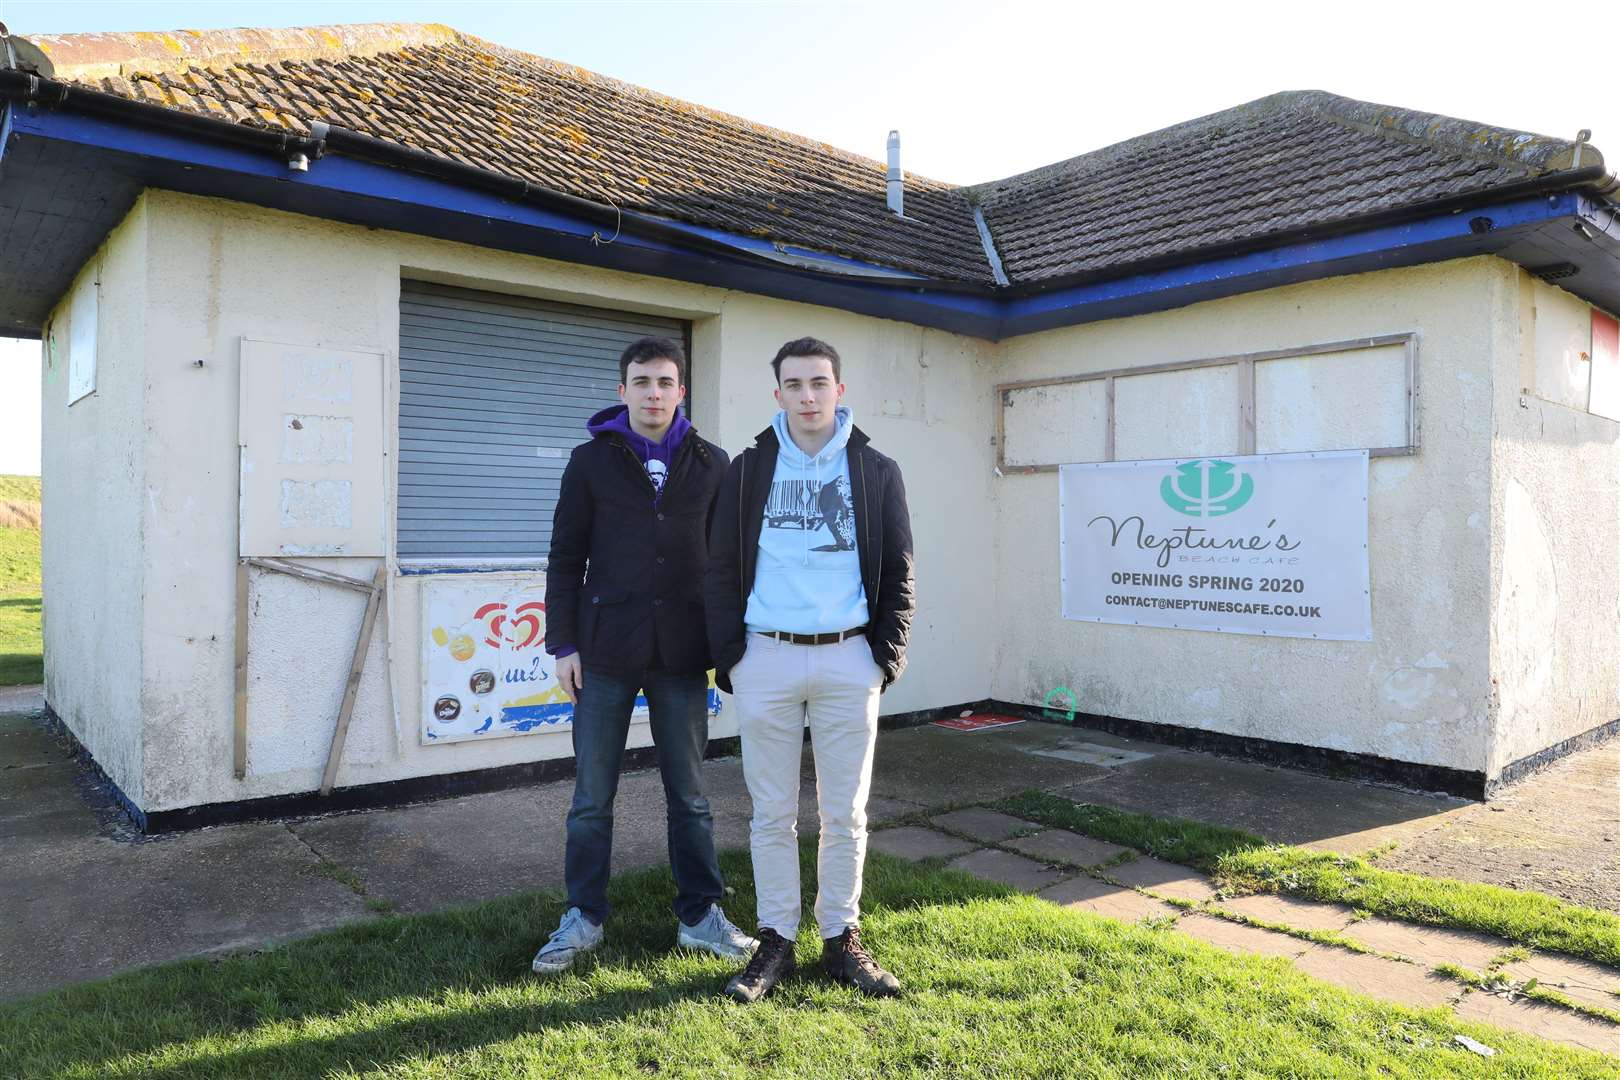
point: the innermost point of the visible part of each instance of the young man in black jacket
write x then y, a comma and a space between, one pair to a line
624, 613
809, 597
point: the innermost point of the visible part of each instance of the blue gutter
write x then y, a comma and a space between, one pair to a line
348, 189
1365, 250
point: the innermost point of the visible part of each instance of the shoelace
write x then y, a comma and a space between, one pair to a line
768, 947
857, 951
570, 923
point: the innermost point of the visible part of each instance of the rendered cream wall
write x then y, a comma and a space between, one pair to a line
94, 452
1419, 691
218, 271
1555, 548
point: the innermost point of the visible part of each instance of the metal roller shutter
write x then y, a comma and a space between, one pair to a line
494, 392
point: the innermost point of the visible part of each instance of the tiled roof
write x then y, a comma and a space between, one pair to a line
534, 119
1297, 160
1302, 160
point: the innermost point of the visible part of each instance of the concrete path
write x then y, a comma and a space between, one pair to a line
85, 897
1390, 960
1557, 832
22, 700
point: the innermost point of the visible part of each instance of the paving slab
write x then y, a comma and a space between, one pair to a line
936, 767
454, 852
1085, 893
1557, 832
39, 797
1282, 805
987, 826
1165, 878
22, 700
1009, 869
1286, 911
1579, 980
1061, 845
880, 808
94, 906
915, 842
1546, 1021
1387, 980
1235, 937
1429, 946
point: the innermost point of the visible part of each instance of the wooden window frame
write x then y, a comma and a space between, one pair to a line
1244, 364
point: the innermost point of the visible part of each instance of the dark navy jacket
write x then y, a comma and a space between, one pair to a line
625, 573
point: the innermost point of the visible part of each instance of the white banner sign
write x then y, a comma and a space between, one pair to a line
1272, 544
484, 665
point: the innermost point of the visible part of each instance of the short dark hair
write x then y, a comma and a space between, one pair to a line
646, 350
808, 346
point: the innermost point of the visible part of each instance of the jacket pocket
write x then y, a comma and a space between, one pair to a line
606, 626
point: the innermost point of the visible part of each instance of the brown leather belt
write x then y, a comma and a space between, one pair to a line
831, 638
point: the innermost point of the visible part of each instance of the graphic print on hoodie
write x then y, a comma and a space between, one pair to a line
655, 457
808, 578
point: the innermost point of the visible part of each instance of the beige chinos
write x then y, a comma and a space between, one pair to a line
777, 688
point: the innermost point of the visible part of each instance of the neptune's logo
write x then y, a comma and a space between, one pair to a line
1206, 488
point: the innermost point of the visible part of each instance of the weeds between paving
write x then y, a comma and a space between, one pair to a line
1245, 861
997, 985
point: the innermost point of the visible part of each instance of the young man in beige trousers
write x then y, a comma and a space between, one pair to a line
809, 597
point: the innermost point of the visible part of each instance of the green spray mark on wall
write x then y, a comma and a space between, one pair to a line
1060, 704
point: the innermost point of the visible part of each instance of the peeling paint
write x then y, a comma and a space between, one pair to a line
317, 377
317, 504
317, 440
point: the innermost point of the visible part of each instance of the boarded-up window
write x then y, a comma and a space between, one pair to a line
310, 431
1339, 396
494, 394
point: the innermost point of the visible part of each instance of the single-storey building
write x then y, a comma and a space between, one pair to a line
322, 312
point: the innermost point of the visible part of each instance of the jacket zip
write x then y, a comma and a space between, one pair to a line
866, 528
742, 552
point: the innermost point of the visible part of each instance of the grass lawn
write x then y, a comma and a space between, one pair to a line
998, 985
21, 646
1249, 863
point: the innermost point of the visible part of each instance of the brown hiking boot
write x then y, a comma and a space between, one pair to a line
846, 959
772, 962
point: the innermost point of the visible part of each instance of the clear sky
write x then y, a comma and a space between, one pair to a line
984, 90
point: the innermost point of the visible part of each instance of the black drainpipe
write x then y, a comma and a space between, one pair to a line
37, 90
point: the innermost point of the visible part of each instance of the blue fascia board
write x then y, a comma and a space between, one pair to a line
333, 173
1293, 262
398, 197
349, 189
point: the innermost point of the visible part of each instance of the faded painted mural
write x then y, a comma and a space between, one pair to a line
485, 669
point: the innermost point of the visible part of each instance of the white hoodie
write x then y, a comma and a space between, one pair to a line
808, 578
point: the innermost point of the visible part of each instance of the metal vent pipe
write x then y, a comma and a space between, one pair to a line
897, 181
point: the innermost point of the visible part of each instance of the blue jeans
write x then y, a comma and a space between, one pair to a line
680, 728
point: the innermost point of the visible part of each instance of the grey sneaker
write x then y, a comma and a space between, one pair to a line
574, 935
715, 933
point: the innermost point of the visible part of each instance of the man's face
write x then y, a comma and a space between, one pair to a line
809, 394
652, 390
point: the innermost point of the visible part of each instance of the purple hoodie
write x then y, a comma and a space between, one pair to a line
657, 457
